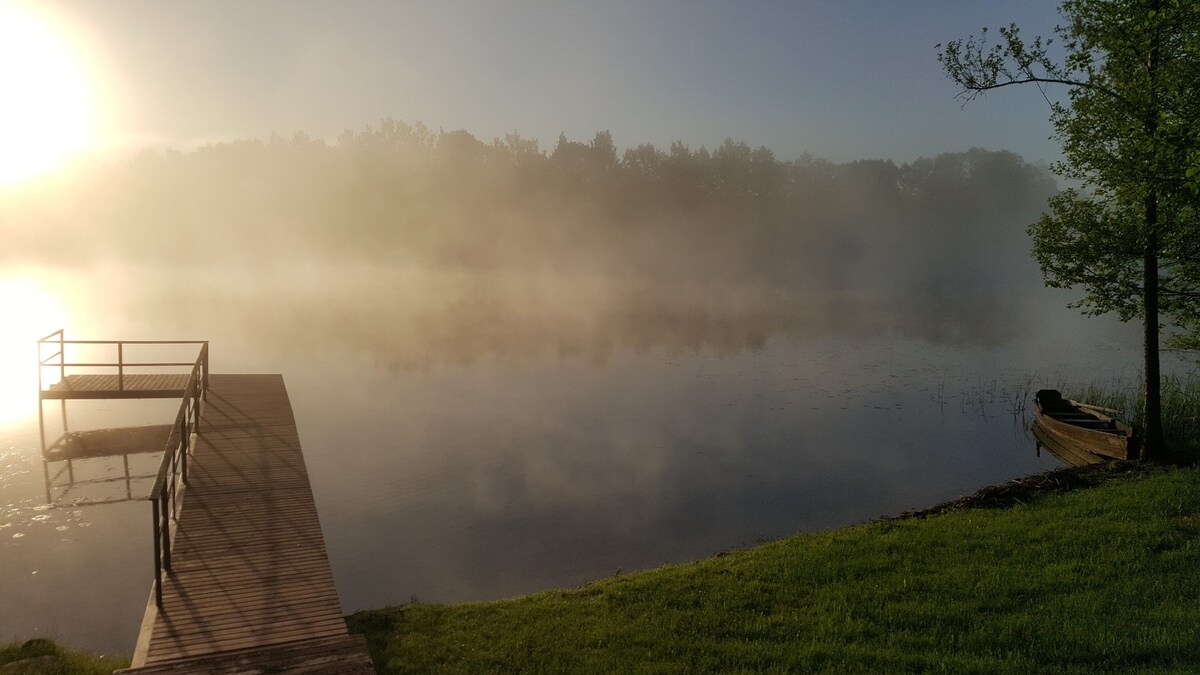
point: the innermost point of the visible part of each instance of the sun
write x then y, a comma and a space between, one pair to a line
47, 110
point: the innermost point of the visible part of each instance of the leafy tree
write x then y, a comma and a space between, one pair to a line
571, 157
603, 153
687, 173
1129, 137
460, 147
645, 162
586, 161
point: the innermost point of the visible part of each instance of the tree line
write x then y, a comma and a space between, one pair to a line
934, 248
400, 192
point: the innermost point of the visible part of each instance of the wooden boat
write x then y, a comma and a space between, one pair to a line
1078, 433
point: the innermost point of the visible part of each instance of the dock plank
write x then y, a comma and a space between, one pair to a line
329, 655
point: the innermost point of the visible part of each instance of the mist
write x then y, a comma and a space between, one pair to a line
517, 368
532, 341
436, 247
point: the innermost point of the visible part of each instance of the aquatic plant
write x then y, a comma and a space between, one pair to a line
1180, 410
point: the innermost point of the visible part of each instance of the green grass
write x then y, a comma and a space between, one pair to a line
1105, 579
44, 657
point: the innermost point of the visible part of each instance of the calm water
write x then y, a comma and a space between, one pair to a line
463, 457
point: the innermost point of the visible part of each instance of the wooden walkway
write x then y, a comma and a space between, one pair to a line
250, 588
134, 385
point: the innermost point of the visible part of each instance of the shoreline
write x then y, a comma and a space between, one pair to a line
1074, 569
997, 502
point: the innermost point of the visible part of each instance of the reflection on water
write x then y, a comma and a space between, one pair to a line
102, 466
76, 572
26, 304
462, 447
505, 478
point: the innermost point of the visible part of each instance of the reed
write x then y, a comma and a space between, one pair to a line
1180, 410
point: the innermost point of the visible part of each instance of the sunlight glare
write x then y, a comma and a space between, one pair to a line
48, 112
29, 311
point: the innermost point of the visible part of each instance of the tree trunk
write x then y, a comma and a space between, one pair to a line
1152, 444
1152, 440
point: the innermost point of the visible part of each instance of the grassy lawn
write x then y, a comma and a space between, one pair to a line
1082, 581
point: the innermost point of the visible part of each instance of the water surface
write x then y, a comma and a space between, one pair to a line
463, 449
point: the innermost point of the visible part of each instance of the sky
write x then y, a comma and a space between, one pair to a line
840, 79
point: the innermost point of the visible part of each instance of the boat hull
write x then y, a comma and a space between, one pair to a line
1079, 430
1068, 454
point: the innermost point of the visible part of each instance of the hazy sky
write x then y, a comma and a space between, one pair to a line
840, 79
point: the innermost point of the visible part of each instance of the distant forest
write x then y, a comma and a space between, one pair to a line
401, 192
947, 231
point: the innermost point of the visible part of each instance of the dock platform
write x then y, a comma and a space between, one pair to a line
250, 588
118, 386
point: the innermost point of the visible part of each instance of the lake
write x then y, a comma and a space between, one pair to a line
465, 448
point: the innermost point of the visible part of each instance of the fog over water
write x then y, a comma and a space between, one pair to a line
516, 368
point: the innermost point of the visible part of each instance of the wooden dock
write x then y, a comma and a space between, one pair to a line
249, 587
242, 580
155, 385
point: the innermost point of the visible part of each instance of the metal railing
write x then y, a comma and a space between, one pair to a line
173, 469
121, 363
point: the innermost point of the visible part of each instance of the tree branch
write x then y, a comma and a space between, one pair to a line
981, 88
1164, 290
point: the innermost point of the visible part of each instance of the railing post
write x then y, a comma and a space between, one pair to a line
62, 356
201, 395
166, 533
121, 366
172, 482
205, 366
196, 393
186, 442
158, 561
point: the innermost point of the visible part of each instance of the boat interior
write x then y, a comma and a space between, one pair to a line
1054, 405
